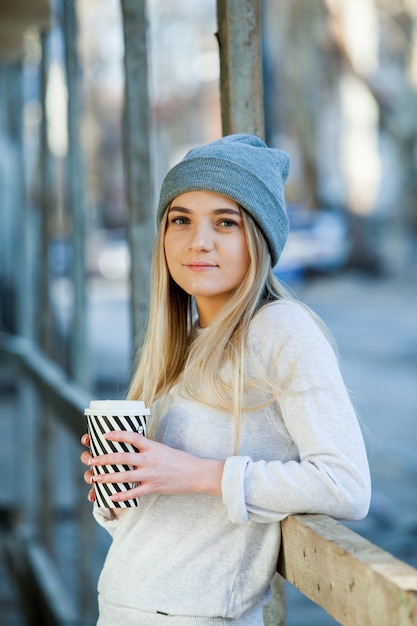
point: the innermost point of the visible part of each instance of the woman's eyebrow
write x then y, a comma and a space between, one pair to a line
228, 211
215, 211
179, 208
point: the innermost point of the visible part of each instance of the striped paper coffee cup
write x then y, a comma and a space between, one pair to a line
102, 417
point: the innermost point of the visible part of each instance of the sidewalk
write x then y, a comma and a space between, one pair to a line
375, 326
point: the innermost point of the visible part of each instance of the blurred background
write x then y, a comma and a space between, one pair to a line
340, 90
340, 93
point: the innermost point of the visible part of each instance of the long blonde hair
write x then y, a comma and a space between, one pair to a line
172, 350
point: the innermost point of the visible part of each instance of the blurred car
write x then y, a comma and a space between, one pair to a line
107, 254
318, 243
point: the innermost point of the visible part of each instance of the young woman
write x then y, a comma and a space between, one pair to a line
251, 421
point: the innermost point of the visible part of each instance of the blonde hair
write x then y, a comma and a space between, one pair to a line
173, 353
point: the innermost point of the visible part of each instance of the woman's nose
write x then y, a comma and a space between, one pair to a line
201, 238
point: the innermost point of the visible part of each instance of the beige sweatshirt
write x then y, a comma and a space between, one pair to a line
198, 555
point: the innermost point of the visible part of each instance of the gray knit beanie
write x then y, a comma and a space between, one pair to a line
243, 168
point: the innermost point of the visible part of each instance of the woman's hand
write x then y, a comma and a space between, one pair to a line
158, 468
85, 458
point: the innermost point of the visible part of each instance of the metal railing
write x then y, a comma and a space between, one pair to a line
52, 545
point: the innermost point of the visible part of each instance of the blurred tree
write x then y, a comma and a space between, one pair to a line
328, 61
295, 87
397, 98
390, 83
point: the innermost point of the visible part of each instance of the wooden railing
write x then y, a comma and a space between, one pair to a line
353, 580
356, 582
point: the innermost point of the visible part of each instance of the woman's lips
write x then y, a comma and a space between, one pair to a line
199, 266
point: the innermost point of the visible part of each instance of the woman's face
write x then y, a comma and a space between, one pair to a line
206, 249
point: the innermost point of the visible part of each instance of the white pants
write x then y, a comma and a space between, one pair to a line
112, 615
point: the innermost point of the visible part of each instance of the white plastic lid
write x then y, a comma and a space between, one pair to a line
117, 407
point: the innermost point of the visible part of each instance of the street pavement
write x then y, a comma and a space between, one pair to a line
374, 323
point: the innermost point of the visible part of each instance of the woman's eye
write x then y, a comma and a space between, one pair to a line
227, 223
180, 220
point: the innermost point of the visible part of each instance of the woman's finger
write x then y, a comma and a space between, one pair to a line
137, 440
85, 458
130, 476
113, 458
88, 476
85, 440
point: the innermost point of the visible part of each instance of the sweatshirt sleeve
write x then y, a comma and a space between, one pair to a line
108, 518
330, 474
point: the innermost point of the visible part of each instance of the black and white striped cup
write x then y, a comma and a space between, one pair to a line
102, 417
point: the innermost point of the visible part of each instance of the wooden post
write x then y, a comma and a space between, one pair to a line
79, 363
17, 194
242, 104
26, 471
241, 86
4, 239
138, 162
9, 183
44, 308
75, 198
